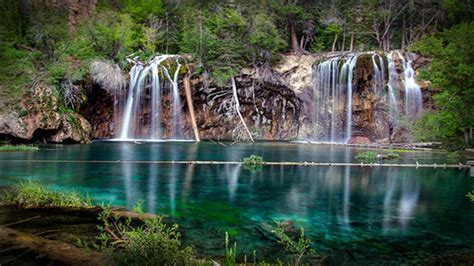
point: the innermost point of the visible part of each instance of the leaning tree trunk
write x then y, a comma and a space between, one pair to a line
293, 38
189, 99
237, 108
334, 43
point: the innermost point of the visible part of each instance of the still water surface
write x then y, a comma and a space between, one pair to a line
353, 214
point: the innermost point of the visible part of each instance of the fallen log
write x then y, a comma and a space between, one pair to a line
56, 251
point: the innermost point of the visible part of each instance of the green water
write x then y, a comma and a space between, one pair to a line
353, 214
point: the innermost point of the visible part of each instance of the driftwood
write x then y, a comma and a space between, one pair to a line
415, 165
57, 251
237, 109
189, 99
92, 211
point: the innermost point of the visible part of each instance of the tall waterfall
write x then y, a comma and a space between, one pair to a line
393, 94
142, 116
334, 81
413, 98
333, 115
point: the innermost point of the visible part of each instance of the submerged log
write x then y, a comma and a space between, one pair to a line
57, 251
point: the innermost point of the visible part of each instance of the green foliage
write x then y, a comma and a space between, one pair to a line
18, 148
451, 71
34, 194
110, 34
325, 38
252, 163
230, 252
367, 156
372, 156
143, 9
152, 243
298, 247
470, 196
265, 39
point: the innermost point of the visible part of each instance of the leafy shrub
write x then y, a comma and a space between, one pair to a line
371, 156
152, 243
366, 156
34, 194
253, 163
470, 195
298, 247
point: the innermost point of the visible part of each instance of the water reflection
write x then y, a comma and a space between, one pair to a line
334, 204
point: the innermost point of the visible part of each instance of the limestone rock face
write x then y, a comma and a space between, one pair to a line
39, 119
273, 102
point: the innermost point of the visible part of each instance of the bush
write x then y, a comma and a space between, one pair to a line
366, 156
33, 194
253, 163
470, 195
300, 247
152, 243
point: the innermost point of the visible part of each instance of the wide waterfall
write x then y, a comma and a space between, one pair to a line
335, 86
142, 117
333, 117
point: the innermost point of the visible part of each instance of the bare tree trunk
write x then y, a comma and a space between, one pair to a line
334, 43
343, 42
293, 38
352, 42
403, 33
237, 108
189, 99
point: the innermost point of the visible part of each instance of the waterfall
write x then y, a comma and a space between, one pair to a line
351, 66
333, 114
334, 79
378, 79
413, 99
393, 101
145, 91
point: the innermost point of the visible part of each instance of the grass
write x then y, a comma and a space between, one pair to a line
366, 156
34, 194
372, 156
18, 148
150, 242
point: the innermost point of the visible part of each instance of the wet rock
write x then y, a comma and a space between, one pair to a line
39, 118
360, 140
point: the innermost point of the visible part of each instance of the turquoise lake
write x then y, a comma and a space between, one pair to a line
353, 214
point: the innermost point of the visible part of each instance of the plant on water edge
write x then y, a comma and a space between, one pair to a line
366, 156
18, 148
470, 195
151, 243
300, 247
371, 156
230, 252
253, 163
34, 194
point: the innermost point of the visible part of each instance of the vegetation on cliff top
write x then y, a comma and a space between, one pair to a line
452, 72
44, 42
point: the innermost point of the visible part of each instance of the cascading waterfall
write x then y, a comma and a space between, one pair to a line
334, 79
413, 98
378, 74
147, 78
393, 99
333, 116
